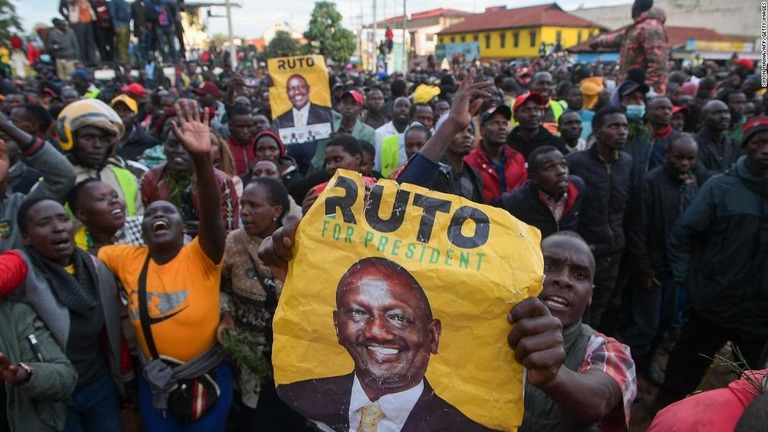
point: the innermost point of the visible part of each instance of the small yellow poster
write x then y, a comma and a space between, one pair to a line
394, 310
300, 98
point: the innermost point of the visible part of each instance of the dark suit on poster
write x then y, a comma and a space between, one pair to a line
317, 115
327, 400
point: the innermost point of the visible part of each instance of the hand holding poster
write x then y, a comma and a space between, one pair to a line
395, 310
300, 98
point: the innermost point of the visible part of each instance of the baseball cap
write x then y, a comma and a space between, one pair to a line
493, 110
684, 109
128, 101
355, 95
80, 73
134, 89
745, 63
532, 96
753, 127
628, 87
207, 88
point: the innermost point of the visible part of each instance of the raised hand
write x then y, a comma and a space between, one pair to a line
468, 99
192, 132
537, 340
275, 250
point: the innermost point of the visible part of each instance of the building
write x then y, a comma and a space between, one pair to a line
502, 33
423, 27
279, 25
421, 36
685, 43
735, 19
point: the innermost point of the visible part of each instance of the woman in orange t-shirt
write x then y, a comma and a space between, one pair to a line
181, 308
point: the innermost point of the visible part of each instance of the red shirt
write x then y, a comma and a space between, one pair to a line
242, 155
515, 171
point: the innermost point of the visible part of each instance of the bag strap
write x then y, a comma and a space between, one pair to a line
146, 324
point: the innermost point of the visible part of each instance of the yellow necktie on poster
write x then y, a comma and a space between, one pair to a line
369, 418
299, 119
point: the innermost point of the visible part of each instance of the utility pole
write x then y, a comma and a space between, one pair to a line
360, 36
405, 40
232, 49
375, 51
229, 5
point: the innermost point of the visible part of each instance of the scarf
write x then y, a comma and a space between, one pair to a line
77, 292
662, 133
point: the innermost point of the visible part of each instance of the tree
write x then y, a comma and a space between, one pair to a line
218, 40
8, 21
327, 36
282, 45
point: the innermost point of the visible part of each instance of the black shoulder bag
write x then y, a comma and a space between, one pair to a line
188, 399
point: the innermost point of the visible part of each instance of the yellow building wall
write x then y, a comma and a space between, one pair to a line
569, 38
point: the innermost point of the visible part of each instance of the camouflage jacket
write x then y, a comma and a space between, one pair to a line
643, 45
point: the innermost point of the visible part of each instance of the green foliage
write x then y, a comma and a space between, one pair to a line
10, 23
327, 36
245, 352
194, 19
282, 45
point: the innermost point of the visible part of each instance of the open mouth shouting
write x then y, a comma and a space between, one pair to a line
61, 243
160, 227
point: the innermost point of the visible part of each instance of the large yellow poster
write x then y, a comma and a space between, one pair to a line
300, 98
394, 310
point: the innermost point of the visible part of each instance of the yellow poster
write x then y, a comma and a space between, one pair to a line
395, 310
300, 98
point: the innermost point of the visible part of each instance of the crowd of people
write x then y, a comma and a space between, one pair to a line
145, 218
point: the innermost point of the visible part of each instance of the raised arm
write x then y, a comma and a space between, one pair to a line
194, 134
466, 102
537, 340
421, 169
58, 174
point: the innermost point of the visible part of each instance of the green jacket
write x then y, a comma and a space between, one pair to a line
41, 403
361, 131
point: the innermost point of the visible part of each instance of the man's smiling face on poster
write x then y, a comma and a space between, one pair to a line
383, 320
298, 91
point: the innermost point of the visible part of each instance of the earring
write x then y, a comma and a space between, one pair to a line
274, 219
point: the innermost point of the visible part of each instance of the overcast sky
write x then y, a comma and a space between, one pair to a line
255, 15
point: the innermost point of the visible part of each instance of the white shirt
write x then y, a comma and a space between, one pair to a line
384, 131
397, 407
304, 115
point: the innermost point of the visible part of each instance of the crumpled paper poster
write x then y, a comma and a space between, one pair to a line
379, 291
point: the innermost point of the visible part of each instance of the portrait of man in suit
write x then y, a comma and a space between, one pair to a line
303, 112
384, 321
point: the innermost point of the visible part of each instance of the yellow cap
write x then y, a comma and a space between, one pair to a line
128, 101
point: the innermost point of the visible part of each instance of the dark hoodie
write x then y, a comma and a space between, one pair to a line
718, 250
137, 143
544, 137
